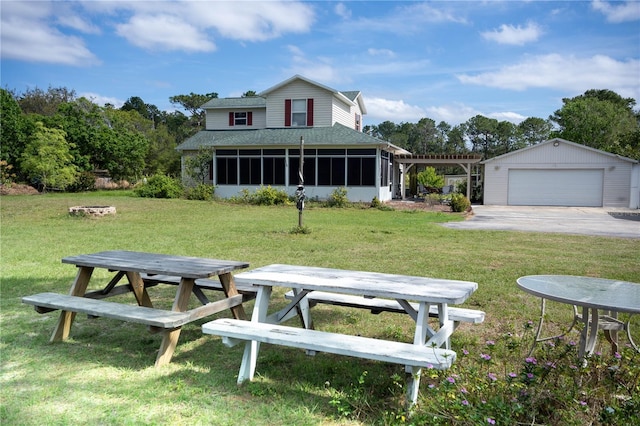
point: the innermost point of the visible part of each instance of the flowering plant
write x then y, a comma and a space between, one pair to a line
550, 386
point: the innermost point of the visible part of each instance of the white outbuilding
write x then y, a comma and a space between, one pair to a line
558, 172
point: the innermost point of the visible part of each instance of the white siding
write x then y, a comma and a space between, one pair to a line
218, 119
344, 114
566, 156
299, 90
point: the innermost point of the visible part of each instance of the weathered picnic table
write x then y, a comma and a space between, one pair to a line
143, 270
430, 347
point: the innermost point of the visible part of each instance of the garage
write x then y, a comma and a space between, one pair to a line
559, 172
568, 187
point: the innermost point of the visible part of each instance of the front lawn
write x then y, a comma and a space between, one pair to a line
104, 373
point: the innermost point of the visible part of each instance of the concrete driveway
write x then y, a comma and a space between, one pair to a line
608, 222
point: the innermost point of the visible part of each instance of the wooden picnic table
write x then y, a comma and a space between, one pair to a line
430, 346
134, 266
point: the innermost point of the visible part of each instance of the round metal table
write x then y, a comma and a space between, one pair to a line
592, 295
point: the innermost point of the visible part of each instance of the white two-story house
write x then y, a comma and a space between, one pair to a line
256, 142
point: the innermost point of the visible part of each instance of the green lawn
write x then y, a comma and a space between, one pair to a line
104, 373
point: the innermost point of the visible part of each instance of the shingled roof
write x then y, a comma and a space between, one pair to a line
337, 135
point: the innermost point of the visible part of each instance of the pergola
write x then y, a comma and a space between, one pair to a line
463, 160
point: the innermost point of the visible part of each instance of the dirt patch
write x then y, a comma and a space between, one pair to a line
17, 189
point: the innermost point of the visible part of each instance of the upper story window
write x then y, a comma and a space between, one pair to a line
240, 118
358, 125
298, 112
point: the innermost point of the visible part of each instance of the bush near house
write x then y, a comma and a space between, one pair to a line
160, 186
460, 203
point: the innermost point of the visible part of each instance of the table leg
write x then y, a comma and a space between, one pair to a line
589, 332
420, 337
138, 289
612, 334
170, 337
229, 287
78, 288
251, 349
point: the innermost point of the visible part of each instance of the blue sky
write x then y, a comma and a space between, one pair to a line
442, 60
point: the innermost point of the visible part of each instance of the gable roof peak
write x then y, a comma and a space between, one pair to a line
346, 99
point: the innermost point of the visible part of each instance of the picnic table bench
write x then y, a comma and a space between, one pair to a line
183, 271
430, 346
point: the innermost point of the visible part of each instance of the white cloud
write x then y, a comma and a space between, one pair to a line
620, 12
319, 69
453, 114
513, 117
393, 110
27, 36
342, 11
508, 34
564, 72
164, 32
101, 100
381, 52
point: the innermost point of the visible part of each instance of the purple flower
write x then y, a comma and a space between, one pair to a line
529, 376
513, 375
531, 360
466, 352
572, 343
583, 403
486, 357
463, 390
431, 386
490, 342
491, 421
551, 364
465, 402
451, 380
492, 376
617, 355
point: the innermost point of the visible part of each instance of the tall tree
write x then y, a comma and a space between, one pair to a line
46, 159
482, 132
12, 135
534, 130
38, 101
600, 119
193, 104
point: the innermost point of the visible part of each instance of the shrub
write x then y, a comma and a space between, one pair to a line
160, 186
338, 198
202, 191
375, 203
268, 196
460, 203
85, 181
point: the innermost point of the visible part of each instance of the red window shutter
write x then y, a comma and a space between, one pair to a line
231, 119
309, 112
287, 112
249, 118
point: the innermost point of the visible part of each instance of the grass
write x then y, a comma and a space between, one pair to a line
104, 373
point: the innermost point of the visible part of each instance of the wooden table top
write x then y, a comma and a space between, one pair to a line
156, 264
375, 284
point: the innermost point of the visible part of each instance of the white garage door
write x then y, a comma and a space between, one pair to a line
555, 187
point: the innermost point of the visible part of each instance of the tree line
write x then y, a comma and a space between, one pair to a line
54, 139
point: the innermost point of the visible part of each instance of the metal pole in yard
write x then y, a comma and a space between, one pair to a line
300, 191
